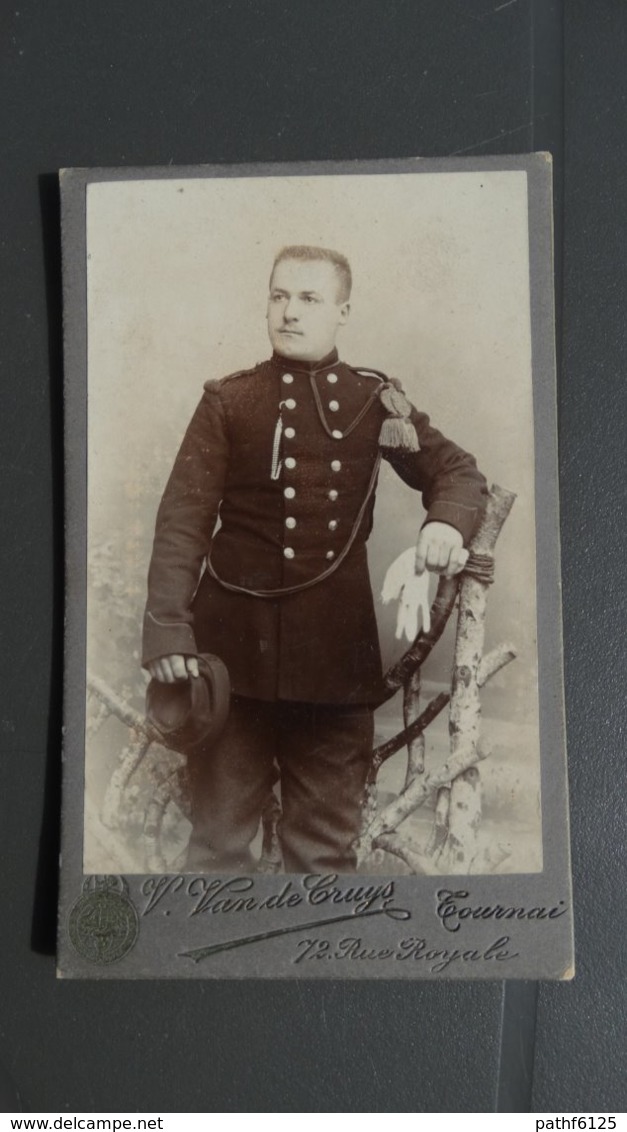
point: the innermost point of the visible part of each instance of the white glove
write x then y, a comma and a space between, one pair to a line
411, 590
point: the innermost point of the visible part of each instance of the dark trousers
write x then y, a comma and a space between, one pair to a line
323, 753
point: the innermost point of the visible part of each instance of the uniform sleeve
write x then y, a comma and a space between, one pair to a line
453, 489
185, 523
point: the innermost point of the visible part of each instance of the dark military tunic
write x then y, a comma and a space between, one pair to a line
284, 455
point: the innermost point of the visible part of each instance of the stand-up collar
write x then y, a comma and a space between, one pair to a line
294, 366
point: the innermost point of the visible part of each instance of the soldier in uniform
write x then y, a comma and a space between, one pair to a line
287, 455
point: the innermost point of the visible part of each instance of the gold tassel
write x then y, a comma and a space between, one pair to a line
397, 430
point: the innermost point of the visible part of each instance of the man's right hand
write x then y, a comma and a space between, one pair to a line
171, 669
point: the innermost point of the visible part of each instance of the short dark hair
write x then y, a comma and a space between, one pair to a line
309, 253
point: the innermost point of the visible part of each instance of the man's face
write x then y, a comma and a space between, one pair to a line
304, 313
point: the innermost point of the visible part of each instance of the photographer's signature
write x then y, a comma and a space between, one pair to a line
336, 902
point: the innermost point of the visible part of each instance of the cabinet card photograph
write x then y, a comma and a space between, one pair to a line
313, 697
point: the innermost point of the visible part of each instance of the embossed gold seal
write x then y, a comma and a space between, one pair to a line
103, 924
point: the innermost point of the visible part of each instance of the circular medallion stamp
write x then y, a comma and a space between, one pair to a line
103, 924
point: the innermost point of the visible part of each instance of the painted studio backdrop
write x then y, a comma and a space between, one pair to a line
177, 283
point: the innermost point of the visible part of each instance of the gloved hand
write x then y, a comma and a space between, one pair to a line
411, 590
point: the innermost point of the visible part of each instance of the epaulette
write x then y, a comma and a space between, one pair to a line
214, 385
378, 376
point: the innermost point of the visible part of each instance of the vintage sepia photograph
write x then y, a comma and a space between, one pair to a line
311, 625
313, 656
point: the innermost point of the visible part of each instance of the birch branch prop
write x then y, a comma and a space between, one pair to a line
400, 847
385, 751
465, 802
496, 659
468, 670
129, 760
460, 849
443, 603
178, 779
465, 711
95, 722
118, 707
131, 757
395, 812
439, 830
411, 712
475, 578
153, 825
423, 862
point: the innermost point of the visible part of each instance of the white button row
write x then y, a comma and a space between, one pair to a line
290, 432
290, 493
289, 552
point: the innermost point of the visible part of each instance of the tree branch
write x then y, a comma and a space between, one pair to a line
397, 676
490, 665
419, 864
